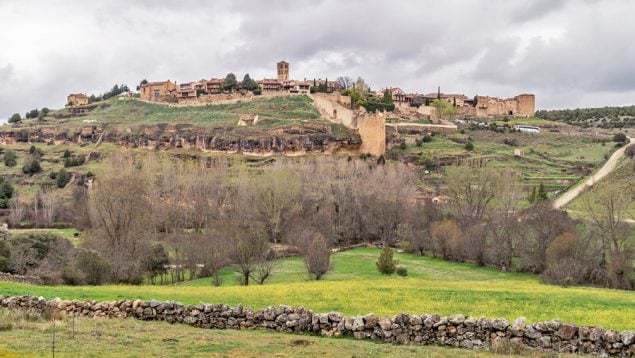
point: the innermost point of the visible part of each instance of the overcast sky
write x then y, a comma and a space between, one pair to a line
569, 53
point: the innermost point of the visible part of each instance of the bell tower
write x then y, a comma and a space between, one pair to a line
283, 71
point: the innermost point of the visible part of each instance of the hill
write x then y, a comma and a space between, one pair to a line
605, 117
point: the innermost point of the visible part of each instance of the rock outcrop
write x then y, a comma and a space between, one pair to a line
456, 330
288, 139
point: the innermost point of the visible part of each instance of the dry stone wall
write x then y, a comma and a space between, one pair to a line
456, 330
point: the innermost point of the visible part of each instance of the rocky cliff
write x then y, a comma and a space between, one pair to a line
289, 139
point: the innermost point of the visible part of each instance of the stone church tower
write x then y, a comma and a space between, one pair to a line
283, 71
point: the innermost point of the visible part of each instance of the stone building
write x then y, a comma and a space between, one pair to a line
283, 71
157, 90
76, 99
186, 90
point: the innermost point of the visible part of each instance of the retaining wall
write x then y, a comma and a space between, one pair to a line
457, 330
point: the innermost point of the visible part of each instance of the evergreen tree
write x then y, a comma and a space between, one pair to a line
542, 193
386, 263
230, 83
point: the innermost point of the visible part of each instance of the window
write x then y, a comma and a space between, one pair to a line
157, 93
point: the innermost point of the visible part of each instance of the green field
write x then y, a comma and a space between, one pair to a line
32, 336
121, 114
356, 288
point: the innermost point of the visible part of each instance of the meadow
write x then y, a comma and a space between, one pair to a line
31, 335
354, 287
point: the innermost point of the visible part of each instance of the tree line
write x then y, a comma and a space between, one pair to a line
160, 220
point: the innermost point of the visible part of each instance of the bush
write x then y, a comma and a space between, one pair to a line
67, 154
469, 146
386, 263
10, 158
15, 118
32, 113
74, 162
62, 178
95, 269
620, 138
402, 271
32, 167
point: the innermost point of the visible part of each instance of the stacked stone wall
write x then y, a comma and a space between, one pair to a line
456, 330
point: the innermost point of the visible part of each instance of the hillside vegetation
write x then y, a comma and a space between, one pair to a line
355, 287
605, 117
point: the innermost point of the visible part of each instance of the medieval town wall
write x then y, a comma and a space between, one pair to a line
526, 105
498, 335
372, 130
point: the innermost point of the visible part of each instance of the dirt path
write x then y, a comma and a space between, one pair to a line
608, 167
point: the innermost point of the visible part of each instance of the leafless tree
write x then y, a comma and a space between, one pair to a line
18, 209
608, 211
49, 206
317, 256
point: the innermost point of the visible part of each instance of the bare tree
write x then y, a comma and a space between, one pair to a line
248, 252
119, 207
444, 238
344, 82
18, 209
608, 211
49, 206
275, 197
317, 256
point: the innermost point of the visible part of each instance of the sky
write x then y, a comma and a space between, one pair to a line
577, 53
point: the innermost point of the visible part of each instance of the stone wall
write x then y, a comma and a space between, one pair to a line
7, 277
456, 330
371, 127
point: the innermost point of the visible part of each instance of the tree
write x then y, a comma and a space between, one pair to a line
249, 84
249, 250
62, 178
541, 195
620, 138
275, 197
387, 99
32, 113
386, 264
15, 118
31, 167
317, 257
93, 267
444, 109
344, 82
608, 209
10, 158
157, 261
469, 146
119, 206
230, 83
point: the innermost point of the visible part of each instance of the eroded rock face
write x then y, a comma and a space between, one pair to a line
290, 139
456, 330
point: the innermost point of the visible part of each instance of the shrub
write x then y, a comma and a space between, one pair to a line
403, 145
74, 162
95, 269
469, 146
402, 271
32, 167
620, 138
10, 158
317, 257
67, 154
386, 263
62, 178
15, 118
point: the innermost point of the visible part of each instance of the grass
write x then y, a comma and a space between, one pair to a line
121, 114
31, 336
356, 288
623, 176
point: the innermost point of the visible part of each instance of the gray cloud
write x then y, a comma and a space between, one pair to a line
568, 53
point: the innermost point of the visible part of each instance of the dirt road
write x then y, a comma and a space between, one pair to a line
608, 167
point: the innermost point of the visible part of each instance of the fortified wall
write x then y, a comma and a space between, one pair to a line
371, 127
498, 334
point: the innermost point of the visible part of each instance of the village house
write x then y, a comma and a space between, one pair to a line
214, 85
76, 99
157, 90
186, 90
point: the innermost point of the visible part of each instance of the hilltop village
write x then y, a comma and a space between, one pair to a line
219, 90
